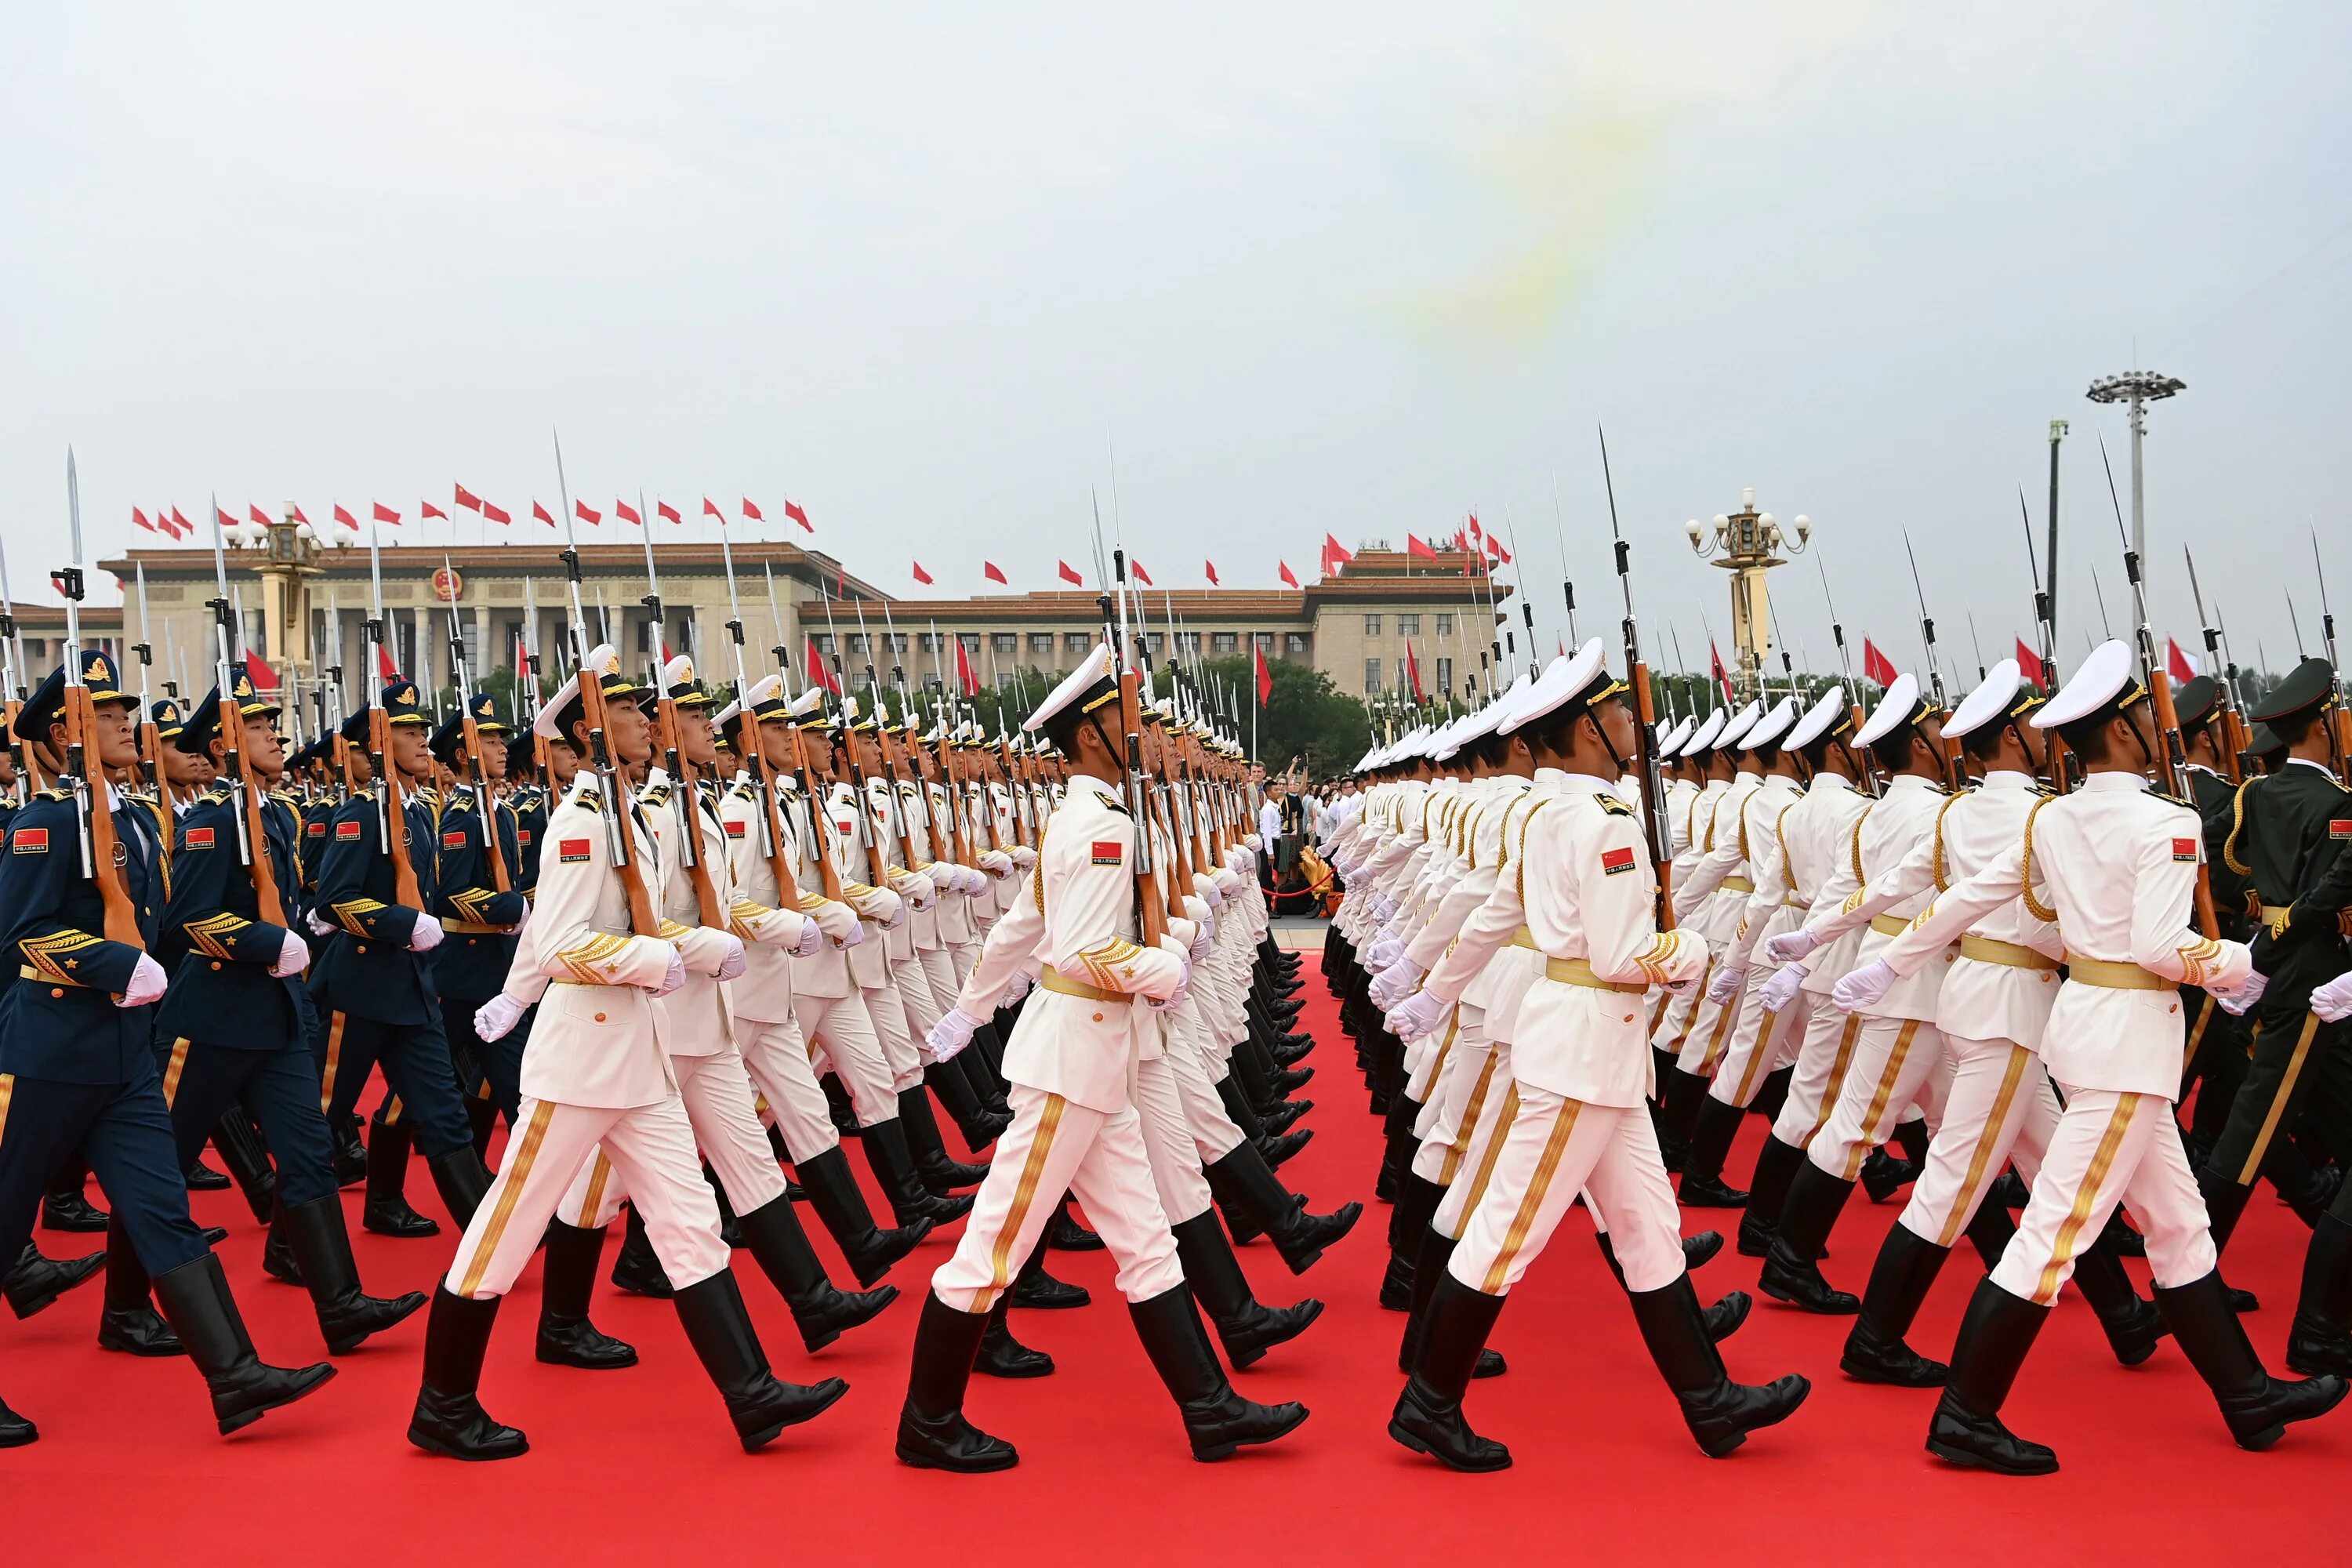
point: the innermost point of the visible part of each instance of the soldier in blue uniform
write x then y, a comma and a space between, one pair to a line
373, 991
238, 1023
77, 1058
481, 919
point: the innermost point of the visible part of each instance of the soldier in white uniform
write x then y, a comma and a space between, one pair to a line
1072, 1061
1713, 766
2116, 866
1584, 885
595, 1074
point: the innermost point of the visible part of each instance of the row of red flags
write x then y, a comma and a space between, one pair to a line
168, 522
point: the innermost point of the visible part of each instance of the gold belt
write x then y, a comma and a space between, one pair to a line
2274, 916
476, 928
1523, 937
1889, 925
1739, 884
1577, 971
27, 971
2113, 976
1985, 950
1052, 979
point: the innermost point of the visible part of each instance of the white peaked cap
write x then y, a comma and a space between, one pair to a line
1736, 728
1989, 701
1703, 738
1768, 730
2098, 680
1075, 685
1898, 706
1817, 719
1562, 681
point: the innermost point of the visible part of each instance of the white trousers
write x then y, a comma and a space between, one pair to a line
842, 1030
1824, 1057
887, 1008
1893, 1059
1055, 1145
1456, 1094
650, 1148
1673, 1031
1212, 1131
1760, 1042
1555, 1148
776, 1056
1168, 1142
2000, 1106
912, 981
1467, 1166
2109, 1148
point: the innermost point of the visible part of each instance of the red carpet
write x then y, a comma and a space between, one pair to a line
641, 1467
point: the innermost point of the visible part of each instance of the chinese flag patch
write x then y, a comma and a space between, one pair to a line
347, 832
199, 838
2340, 827
523, 834
570, 850
453, 840
316, 830
1615, 860
735, 829
2184, 849
1108, 851
29, 841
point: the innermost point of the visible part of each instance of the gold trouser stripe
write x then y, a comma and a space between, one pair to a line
1885, 1092
2278, 1101
334, 1056
511, 1176
598, 1176
391, 1109
1452, 1033
2196, 1035
1523, 1219
1763, 1048
7, 1093
1461, 1144
1033, 1171
2087, 1198
1836, 1085
1698, 991
1724, 1019
173, 1069
1504, 1117
1988, 1141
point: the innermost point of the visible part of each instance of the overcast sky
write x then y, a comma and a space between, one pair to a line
1348, 268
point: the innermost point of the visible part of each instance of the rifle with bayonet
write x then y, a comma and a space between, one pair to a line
1955, 775
477, 783
151, 739
1656, 823
2235, 736
95, 838
13, 691
2339, 721
685, 793
392, 814
245, 790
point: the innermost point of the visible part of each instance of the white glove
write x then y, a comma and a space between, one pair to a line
1385, 949
2236, 1003
1418, 1015
523, 924
975, 880
811, 937
293, 958
1726, 985
426, 935
320, 925
1865, 986
1022, 856
1211, 894
1792, 945
1397, 982
1202, 935
854, 935
1183, 982
1384, 906
494, 1019
1018, 988
146, 983
733, 964
997, 864
1782, 989
2333, 1001
952, 1034
675, 977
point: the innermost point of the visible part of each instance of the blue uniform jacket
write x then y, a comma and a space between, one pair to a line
472, 960
365, 968
61, 1023
222, 990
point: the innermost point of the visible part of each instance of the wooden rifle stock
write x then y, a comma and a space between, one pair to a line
113, 894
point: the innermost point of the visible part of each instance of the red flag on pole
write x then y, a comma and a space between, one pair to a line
2178, 665
253, 510
710, 508
587, 514
622, 508
990, 570
1286, 574
1265, 676
298, 515
663, 509
1495, 551
383, 664
1413, 671
752, 511
817, 669
497, 514
264, 678
1212, 575
1069, 575
343, 516
223, 520
384, 513
541, 513
794, 510
1141, 575
1414, 545
922, 576
139, 520
468, 499
1876, 666
426, 509
967, 680
1334, 555
1722, 676
2029, 665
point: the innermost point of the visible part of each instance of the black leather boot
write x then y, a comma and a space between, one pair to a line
129, 1321
1416, 1205
840, 1205
449, 1419
1034, 1287
893, 1160
1299, 1236
1678, 1107
1246, 1328
1719, 1412
278, 1259
1428, 1414
940, 1174
1702, 1185
637, 1269
350, 1154
2257, 1406
1001, 1355
386, 1212
247, 1159
202, 1178
1767, 1193
1067, 1234
462, 1180
1721, 1320
2131, 1322
2320, 1339
1428, 1274
1989, 1231
323, 1249
34, 1281
932, 1432
773, 1235
2225, 1202
1875, 1349
566, 1337
1216, 1419
64, 1207
953, 1085
1790, 1273
1995, 1335
1283, 1117
16, 1431
195, 1299
721, 1331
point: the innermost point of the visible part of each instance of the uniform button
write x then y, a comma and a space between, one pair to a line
216, 963
600, 1017
57, 990
1629, 1017
363, 947
1097, 1016
2174, 1008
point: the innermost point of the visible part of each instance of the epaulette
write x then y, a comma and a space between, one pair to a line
216, 795
2173, 799
655, 795
1613, 805
54, 795
367, 793
465, 802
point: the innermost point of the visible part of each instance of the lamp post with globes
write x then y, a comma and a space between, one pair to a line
289, 559
2136, 391
1748, 543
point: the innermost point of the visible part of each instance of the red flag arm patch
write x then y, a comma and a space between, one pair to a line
454, 840
2184, 849
347, 832
2340, 827
29, 841
571, 851
197, 839
1107, 851
1615, 860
